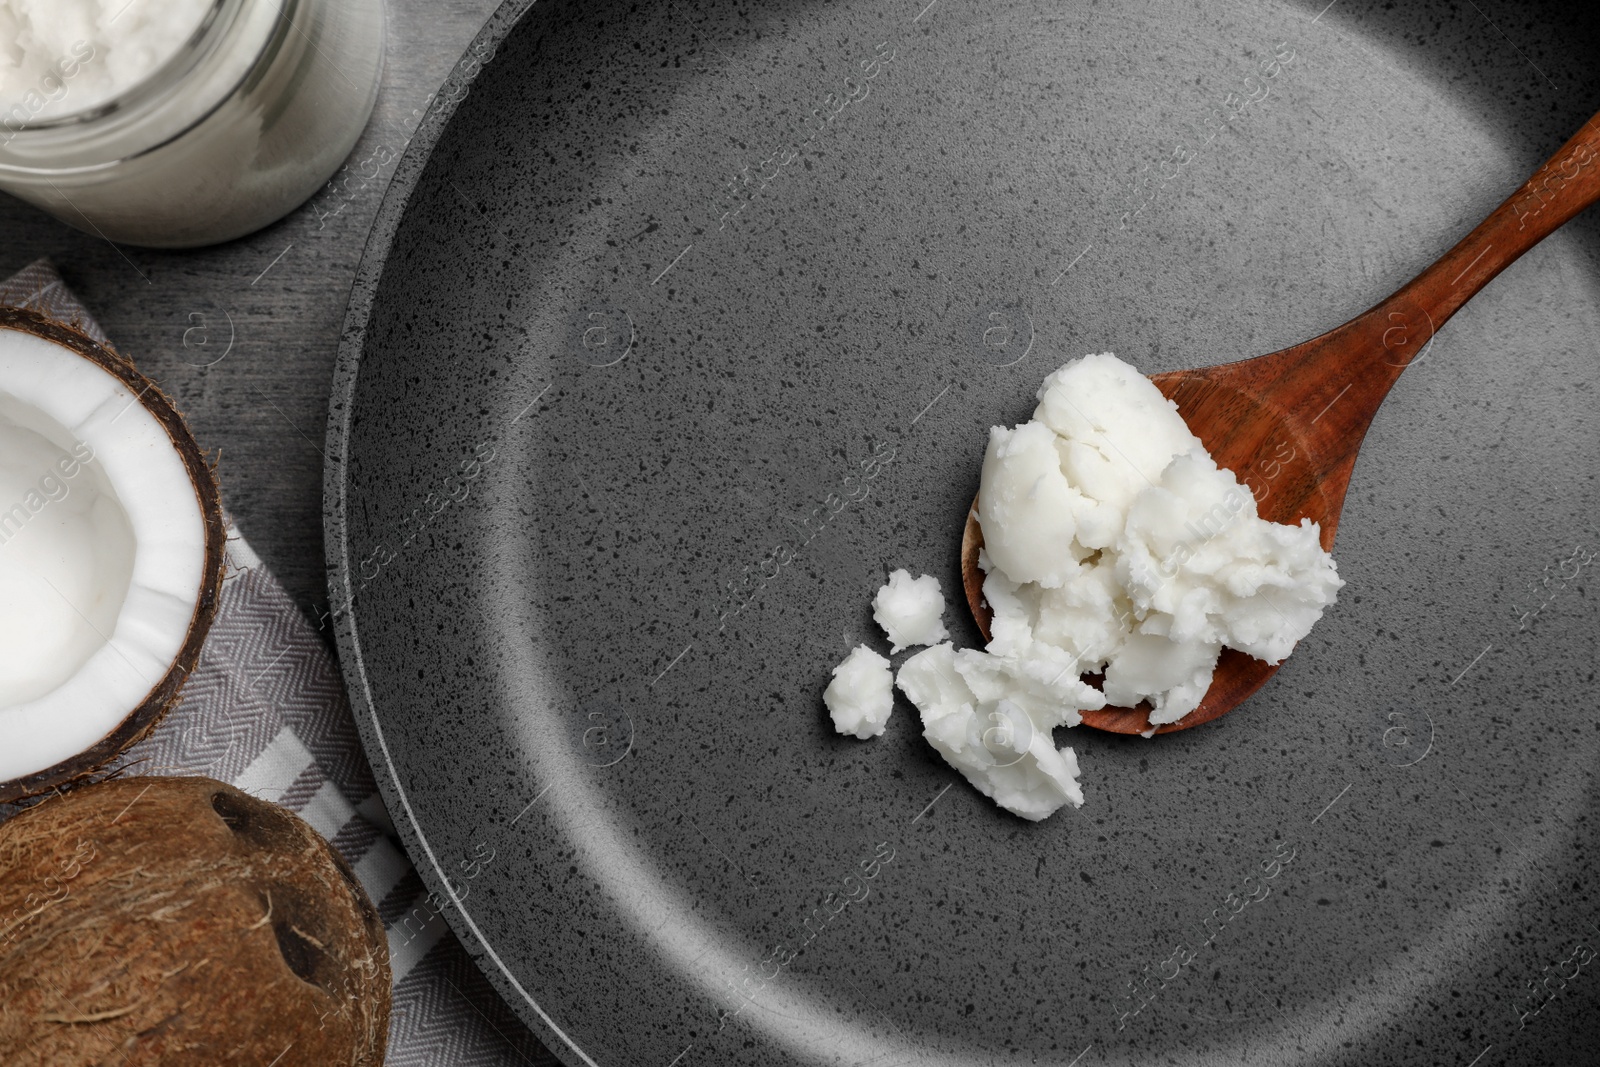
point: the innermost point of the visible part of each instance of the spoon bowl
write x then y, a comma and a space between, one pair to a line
1289, 424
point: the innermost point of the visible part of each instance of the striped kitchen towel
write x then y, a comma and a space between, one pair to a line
266, 710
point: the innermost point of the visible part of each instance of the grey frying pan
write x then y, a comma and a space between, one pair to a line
682, 324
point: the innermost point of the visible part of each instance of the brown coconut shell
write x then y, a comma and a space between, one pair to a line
180, 921
141, 719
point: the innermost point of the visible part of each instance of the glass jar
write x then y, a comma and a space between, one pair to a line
243, 124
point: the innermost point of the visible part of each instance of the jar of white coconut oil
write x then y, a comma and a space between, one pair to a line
176, 123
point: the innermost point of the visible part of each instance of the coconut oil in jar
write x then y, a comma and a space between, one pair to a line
179, 123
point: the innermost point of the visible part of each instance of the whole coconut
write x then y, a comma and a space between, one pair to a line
179, 921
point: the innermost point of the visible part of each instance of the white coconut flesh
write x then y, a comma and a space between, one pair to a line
102, 553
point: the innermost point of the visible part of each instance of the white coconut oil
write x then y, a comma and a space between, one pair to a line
122, 123
58, 57
1113, 545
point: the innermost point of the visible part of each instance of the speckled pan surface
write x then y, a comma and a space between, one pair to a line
683, 324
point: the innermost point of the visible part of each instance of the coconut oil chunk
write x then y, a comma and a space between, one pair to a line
1134, 553
861, 695
993, 741
910, 610
1113, 545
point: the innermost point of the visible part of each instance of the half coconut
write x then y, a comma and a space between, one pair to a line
111, 554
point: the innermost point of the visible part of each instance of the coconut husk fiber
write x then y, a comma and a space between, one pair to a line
179, 921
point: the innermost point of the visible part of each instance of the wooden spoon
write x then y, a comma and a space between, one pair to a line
1289, 423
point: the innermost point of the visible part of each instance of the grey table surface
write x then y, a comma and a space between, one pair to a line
243, 336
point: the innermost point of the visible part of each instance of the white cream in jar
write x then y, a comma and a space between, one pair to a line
58, 57
186, 122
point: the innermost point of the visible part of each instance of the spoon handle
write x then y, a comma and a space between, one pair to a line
1344, 374
1567, 183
